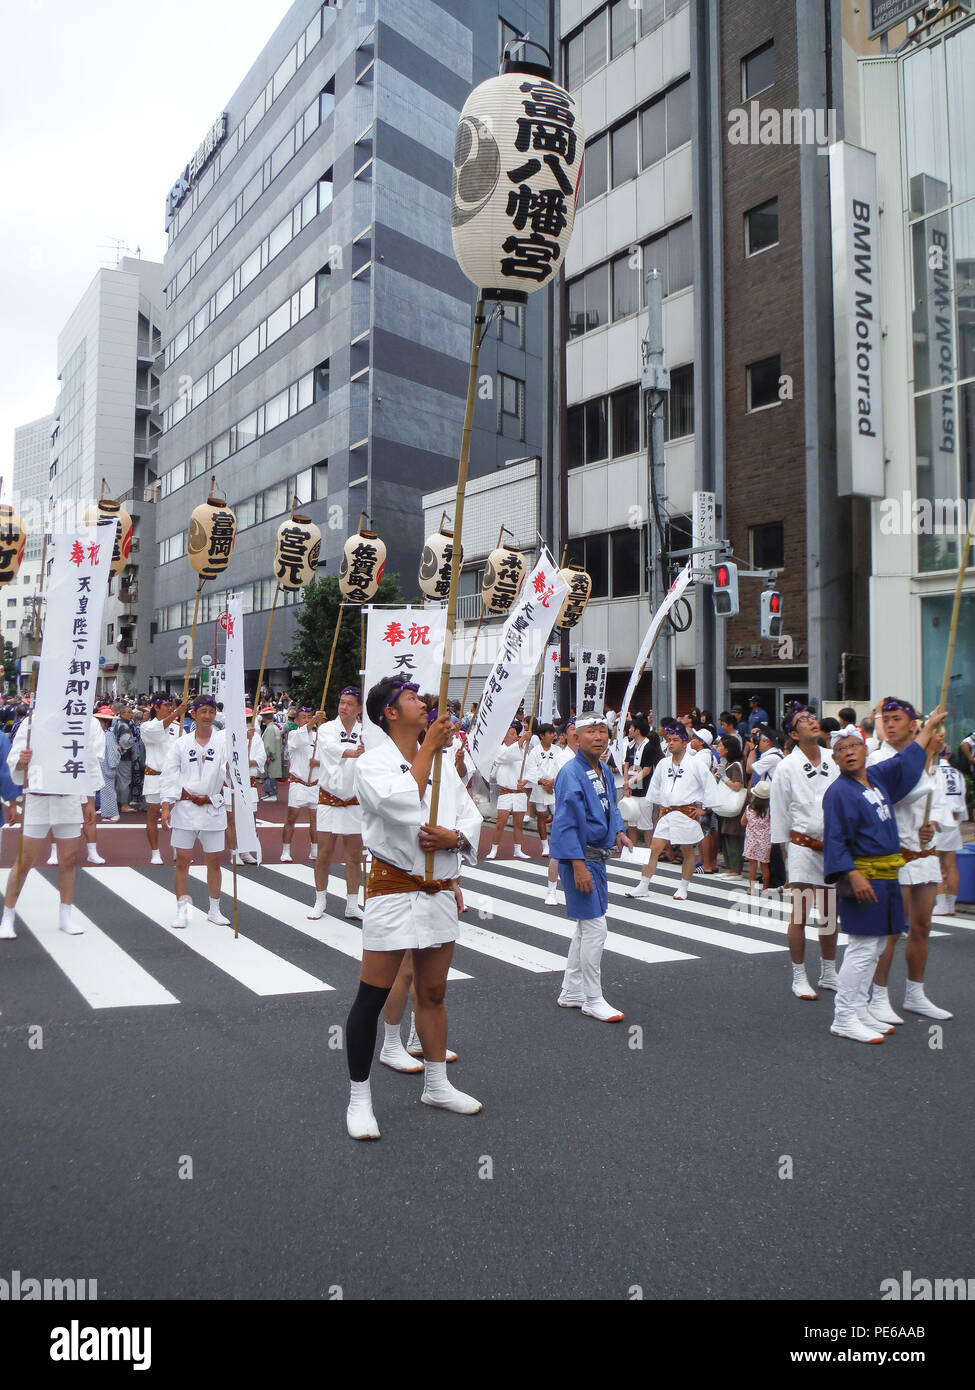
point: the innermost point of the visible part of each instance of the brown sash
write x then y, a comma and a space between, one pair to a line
386, 878
300, 781
509, 791
910, 854
807, 841
196, 800
327, 799
684, 810
153, 772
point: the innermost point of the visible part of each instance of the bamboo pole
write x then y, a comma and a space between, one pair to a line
331, 657
531, 717
30, 706
477, 633
465, 453
267, 640
189, 655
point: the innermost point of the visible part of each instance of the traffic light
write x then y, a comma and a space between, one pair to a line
771, 613
725, 596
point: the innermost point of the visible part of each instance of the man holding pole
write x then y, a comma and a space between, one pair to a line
158, 734
302, 782
194, 807
339, 746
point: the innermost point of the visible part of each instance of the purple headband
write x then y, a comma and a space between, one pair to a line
397, 691
303, 709
797, 712
671, 726
202, 700
891, 704
351, 690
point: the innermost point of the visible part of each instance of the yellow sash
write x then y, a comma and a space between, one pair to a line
880, 865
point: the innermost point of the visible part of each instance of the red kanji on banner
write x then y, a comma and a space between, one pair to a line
77, 553
538, 583
393, 634
93, 553
419, 636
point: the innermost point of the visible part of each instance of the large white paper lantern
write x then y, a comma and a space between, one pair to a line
213, 530
574, 604
105, 511
504, 574
13, 539
517, 164
435, 561
296, 552
363, 562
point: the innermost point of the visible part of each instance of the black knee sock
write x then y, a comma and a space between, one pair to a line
361, 1028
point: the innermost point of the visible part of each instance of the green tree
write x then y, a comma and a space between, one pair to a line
317, 615
9, 666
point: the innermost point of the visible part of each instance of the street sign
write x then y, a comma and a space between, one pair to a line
702, 533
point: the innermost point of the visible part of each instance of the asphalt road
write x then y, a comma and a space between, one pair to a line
176, 1128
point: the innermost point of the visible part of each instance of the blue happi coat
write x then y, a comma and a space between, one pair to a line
858, 822
585, 814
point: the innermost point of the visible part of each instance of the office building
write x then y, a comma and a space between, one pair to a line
31, 479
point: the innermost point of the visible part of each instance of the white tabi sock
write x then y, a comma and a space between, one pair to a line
951, 899
214, 904
393, 1036
7, 923
438, 1091
320, 900
681, 889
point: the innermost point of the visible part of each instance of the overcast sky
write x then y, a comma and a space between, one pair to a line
101, 104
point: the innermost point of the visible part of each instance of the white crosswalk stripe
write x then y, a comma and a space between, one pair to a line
103, 974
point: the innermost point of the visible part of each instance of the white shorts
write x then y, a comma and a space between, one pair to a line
543, 801
805, 865
949, 839
211, 841
62, 815
513, 801
678, 829
409, 921
302, 798
151, 795
917, 871
644, 819
339, 820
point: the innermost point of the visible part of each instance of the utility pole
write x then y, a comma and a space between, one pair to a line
655, 382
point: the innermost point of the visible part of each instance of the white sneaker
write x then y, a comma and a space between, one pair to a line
352, 909
918, 1003
552, 896
828, 978
217, 918
7, 933
878, 1006
857, 1031
544, 849
519, 853
70, 927
603, 1011
286, 857
570, 1001
319, 908
640, 889
52, 858
94, 857
183, 911
399, 1059
492, 853
801, 987
359, 1118
155, 857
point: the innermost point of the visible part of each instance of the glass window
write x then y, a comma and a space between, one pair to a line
285, 73
320, 482
654, 258
325, 191
960, 57
767, 546
595, 168
596, 561
577, 306
276, 410
626, 562
310, 120
678, 103
963, 276
198, 463
936, 434
574, 61
221, 448
223, 296
762, 227
623, 26
924, 123
626, 285
309, 206
306, 390
679, 416
651, 15
763, 382
202, 320
282, 153
575, 436
253, 116
247, 349
251, 268
245, 513
624, 152
247, 430
253, 190
221, 372
758, 70
654, 133
595, 35
276, 499
680, 257
597, 430
306, 298
279, 237
321, 380
327, 100
314, 32
508, 392
303, 486
597, 297
278, 323
932, 295
227, 223
626, 421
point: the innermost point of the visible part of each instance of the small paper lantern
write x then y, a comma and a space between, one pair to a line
213, 530
363, 562
435, 562
13, 539
103, 512
580, 587
504, 575
517, 164
629, 809
296, 553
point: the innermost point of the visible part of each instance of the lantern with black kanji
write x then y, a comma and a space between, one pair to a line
504, 574
104, 512
435, 561
574, 605
517, 162
363, 562
213, 530
13, 539
296, 553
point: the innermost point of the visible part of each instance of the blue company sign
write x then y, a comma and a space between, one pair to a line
207, 148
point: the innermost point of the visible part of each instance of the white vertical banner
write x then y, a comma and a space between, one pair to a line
590, 681
646, 646
523, 641
238, 747
407, 643
548, 699
68, 670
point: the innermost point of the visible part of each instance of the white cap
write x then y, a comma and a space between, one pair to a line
588, 720
851, 731
705, 735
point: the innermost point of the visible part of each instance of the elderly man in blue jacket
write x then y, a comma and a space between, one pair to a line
587, 830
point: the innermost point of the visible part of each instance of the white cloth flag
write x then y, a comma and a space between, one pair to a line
548, 698
523, 640
238, 745
671, 597
68, 669
591, 669
406, 643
